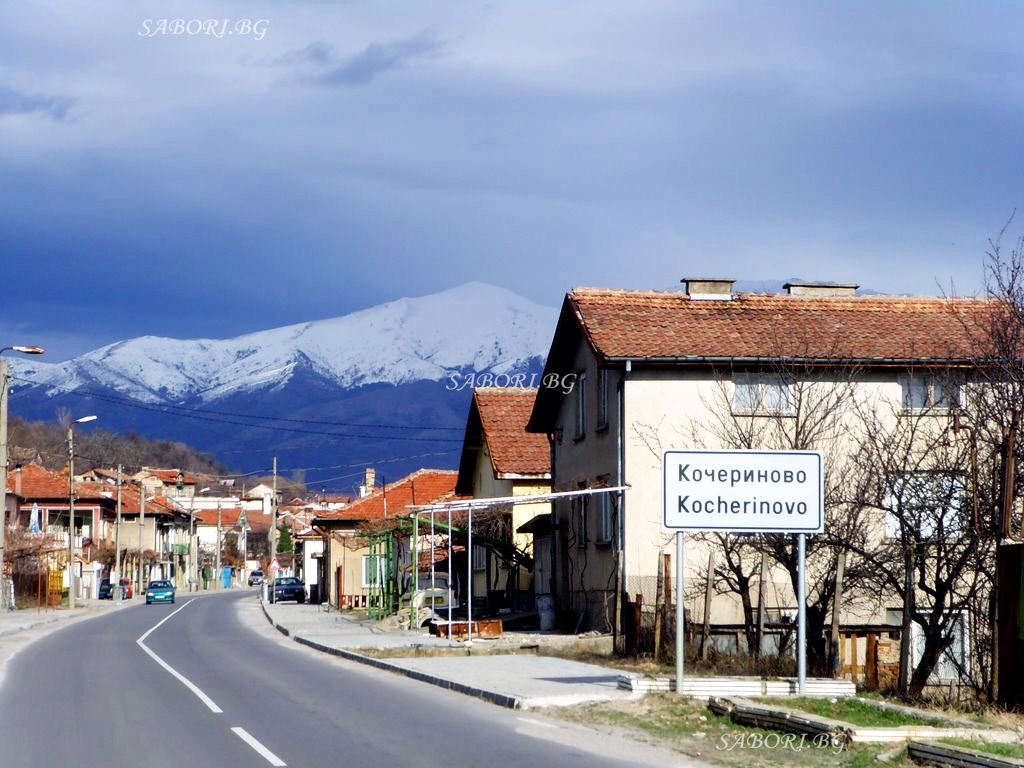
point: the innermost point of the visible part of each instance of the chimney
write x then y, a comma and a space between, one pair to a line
795, 288
17, 480
369, 482
708, 288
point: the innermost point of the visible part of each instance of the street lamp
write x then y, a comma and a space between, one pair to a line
28, 350
71, 507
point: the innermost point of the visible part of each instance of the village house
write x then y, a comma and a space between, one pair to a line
709, 368
358, 568
500, 459
42, 510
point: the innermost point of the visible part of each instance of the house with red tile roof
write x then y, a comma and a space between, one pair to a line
500, 459
347, 574
160, 533
632, 373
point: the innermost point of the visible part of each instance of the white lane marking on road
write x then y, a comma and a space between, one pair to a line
269, 756
184, 680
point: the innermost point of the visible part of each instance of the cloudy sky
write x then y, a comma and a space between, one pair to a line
338, 154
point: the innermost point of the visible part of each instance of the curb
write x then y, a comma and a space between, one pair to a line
501, 699
54, 617
26, 627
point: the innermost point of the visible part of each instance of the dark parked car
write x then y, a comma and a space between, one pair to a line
106, 593
256, 577
289, 588
160, 591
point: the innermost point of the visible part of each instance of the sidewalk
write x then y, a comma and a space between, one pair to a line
12, 622
503, 673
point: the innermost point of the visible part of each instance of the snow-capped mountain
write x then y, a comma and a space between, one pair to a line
474, 327
390, 364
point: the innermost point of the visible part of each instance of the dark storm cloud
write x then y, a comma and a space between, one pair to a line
523, 143
13, 102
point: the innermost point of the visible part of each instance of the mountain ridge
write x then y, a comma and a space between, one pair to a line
384, 372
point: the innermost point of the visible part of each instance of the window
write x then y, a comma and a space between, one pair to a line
951, 660
605, 506
602, 398
479, 558
580, 391
373, 570
926, 392
928, 505
757, 394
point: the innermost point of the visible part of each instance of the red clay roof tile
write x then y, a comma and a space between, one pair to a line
424, 486
670, 325
504, 412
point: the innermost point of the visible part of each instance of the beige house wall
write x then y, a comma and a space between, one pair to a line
346, 552
676, 408
486, 484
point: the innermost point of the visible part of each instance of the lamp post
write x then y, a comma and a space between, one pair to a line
4, 378
71, 507
115, 577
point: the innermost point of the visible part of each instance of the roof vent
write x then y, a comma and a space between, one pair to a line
708, 288
795, 288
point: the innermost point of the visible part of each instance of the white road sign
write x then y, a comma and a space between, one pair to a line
763, 491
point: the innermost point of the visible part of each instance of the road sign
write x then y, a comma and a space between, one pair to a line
275, 566
769, 491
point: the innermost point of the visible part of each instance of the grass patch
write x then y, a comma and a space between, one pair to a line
850, 711
687, 726
989, 747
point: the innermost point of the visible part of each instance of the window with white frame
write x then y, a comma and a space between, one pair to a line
929, 392
602, 398
928, 505
759, 394
580, 395
605, 507
373, 570
479, 558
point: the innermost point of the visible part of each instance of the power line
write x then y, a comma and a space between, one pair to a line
204, 416
170, 408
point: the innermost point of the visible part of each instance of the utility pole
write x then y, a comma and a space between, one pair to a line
115, 577
216, 575
273, 531
71, 516
4, 385
142, 525
71, 507
4, 379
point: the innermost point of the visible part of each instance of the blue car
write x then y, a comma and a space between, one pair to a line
160, 591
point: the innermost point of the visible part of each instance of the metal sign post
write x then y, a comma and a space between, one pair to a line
751, 491
801, 626
680, 612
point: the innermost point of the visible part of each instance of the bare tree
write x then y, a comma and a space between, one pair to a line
919, 478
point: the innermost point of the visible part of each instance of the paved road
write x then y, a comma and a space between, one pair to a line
207, 683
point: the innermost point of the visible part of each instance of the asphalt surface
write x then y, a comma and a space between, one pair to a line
208, 682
